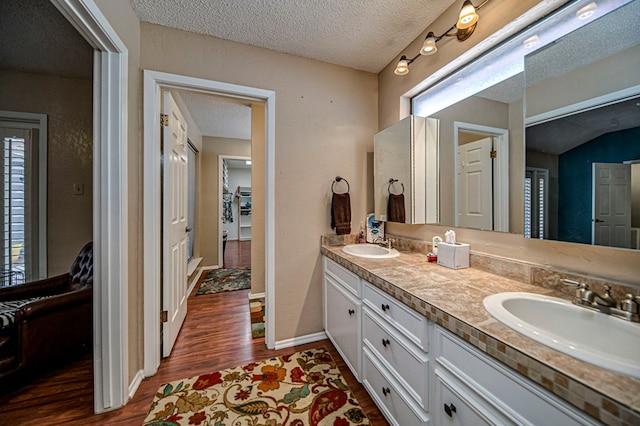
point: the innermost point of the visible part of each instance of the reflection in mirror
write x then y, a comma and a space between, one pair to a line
405, 174
582, 181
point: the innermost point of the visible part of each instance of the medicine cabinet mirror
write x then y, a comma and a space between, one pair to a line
580, 61
406, 171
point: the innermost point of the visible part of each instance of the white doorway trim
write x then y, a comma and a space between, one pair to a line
500, 171
110, 239
154, 82
221, 159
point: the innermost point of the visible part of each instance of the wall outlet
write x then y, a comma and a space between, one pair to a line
78, 189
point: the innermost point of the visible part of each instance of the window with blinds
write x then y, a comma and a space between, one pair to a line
15, 184
535, 203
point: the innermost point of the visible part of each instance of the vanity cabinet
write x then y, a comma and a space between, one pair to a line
483, 391
395, 368
343, 313
419, 373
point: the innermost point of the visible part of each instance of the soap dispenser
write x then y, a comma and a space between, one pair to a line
361, 239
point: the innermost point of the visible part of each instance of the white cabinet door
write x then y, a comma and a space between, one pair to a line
342, 323
453, 410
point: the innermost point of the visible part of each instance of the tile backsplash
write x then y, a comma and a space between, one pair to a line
528, 273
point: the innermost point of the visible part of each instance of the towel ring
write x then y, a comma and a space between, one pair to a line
338, 179
391, 182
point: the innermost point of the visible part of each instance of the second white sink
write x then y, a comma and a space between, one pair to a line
590, 336
371, 251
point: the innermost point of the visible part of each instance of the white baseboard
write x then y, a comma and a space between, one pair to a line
300, 340
133, 386
192, 265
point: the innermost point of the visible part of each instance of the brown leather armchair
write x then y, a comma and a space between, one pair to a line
48, 322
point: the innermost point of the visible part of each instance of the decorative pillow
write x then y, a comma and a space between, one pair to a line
8, 310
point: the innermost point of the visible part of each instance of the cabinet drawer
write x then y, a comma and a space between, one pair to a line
405, 319
520, 399
453, 409
400, 355
385, 392
342, 324
343, 276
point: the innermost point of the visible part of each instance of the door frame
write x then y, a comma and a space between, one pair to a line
153, 83
221, 158
110, 207
500, 171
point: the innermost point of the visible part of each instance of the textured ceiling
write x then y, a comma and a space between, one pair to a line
360, 34
36, 38
218, 116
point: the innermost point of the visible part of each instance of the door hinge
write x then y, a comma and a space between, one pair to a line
164, 119
494, 154
164, 316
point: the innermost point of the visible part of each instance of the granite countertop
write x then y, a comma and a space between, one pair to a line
453, 299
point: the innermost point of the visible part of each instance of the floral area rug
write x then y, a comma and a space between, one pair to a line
305, 388
220, 280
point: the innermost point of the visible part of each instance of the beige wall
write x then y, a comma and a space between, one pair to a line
67, 103
212, 148
325, 119
122, 18
615, 264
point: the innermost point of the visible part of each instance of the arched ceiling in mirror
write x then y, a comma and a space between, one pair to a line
607, 36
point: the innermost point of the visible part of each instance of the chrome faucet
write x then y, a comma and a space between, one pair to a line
628, 309
383, 243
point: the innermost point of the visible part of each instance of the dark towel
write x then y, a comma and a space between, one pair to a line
341, 213
395, 208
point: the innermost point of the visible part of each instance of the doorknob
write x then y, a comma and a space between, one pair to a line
598, 220
188, 229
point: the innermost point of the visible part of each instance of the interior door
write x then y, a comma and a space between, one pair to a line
475, 185
611, 205
174, 210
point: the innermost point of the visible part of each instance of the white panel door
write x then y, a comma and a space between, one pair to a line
475, 185
611, 205
174, 210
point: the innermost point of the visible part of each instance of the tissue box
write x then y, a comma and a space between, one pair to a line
453, 255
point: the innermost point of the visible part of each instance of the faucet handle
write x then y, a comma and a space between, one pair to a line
574, 283
629, 304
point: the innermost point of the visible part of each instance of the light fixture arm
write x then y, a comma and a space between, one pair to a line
453, 31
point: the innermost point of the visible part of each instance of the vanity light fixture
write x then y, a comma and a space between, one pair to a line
403, 66
468, 16
462, 30
429, 46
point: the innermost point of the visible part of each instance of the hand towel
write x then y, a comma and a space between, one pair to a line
341, 213
395, 208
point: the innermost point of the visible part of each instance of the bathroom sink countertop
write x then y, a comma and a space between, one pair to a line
454, 299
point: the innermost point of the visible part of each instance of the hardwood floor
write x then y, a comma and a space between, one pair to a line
237, 254
216, 334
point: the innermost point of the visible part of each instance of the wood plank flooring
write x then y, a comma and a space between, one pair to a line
237, 254
215, 335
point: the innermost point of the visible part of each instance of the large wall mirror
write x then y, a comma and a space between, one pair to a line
507, 123
582, 174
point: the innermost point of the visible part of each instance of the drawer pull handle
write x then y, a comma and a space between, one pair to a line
449, 409
351, 312
385, 307
386, 391
385, 342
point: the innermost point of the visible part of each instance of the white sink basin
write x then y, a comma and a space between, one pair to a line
371, 251
590, 336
